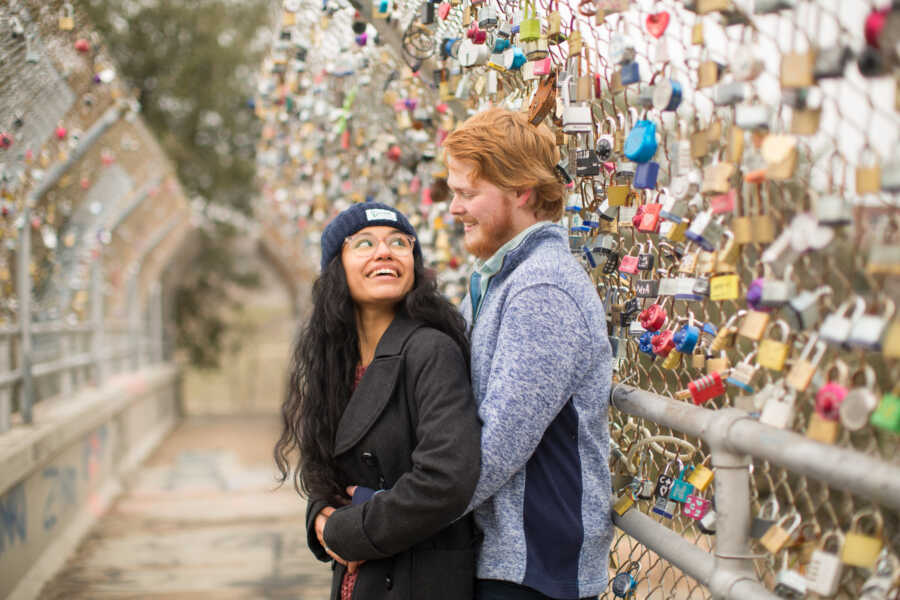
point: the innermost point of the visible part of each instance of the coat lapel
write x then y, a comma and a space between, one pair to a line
376, 386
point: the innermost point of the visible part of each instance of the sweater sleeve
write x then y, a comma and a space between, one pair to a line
445, 462
542, 340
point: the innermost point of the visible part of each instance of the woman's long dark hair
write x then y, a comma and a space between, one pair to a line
323, 369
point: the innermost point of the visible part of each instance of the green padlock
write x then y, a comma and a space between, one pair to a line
887, 415
530, 27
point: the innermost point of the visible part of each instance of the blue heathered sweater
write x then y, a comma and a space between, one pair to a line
541, 368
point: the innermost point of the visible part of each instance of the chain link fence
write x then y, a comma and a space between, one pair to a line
776, 123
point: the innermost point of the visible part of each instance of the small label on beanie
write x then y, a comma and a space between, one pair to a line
380, 214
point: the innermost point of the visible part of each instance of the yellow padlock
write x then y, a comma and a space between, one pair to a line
701, 477
773, 353
860, 549
779, 534
754, 325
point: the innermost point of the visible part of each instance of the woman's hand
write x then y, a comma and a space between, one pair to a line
321, 519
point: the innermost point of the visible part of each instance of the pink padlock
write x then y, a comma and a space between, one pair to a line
443, 10
832, 394
695, 507
542, 66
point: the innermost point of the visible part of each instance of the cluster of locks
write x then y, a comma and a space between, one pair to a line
58, 84
730, 194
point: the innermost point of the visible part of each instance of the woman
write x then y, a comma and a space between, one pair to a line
380, 398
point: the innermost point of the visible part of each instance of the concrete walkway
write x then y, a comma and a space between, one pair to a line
200, 519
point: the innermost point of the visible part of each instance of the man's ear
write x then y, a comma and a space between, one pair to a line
523, 196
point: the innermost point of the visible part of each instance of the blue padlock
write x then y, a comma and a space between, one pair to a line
447, 49
518, 59
631, 73
500, 44
667, 95
624, 583
645, 175
641, 144
686, 338
681, 489
645, 342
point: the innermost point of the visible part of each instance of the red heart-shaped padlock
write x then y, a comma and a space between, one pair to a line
657, 23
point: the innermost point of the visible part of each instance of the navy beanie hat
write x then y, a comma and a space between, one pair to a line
359, 216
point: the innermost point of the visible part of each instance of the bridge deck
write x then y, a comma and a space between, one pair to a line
200, 519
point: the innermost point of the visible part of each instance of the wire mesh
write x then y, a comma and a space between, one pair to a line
833, 125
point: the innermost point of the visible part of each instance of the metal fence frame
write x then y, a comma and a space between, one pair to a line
112, 346
733, 437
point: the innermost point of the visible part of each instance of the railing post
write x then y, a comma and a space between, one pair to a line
24, 295
66, 348
156, 325
5, 392
134, 324
98, 342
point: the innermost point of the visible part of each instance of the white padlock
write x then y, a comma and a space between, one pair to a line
823, 573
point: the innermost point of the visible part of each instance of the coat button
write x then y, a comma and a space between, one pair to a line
388, 582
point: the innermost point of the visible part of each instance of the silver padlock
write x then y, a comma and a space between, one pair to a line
730, 93
706, 230
833, 210
487, 16
868, 329
861, 401
707, 523
881, 582
780, 408
802, 310
790, 584
764, 7
823, 573
837, 326
778, 292
577, 118
664, 507
620, 50
753, 116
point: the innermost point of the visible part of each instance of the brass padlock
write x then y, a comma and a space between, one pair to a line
697, 33
778, 535
797, 69
708, 74
803, 369
718, 364
861, 549
754, 325
822, 430
772, 353
868, 173
780, 154
763, 225
725, 336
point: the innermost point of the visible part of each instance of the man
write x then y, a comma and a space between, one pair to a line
541, 368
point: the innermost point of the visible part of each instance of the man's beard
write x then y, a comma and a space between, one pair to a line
491, 235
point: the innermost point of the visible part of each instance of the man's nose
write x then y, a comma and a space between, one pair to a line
456, 206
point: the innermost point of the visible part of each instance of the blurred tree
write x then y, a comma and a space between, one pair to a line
193, 64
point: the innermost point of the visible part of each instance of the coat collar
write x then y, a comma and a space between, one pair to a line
376, 386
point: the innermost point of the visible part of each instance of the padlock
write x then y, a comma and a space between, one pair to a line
861, 549
780, 533
836, 327
695, 507
822, 430
641, 144
577, 118
797, 69
871, 63
742, 374
624, 583
664, 480
664, 507
763, 521
663, 344
67, 17
868, 330
587, 163
776, 293
823, 572
868, 173
554, 27
706, 230
624, 502
754, 325
831, 394
802, 310
487, 16
530, 27
881, 582
707, 523
620, 49
686, 338
726, 335
752, 116
831, 62
773, 353
706, 388
729, 93
779, 409
667, 95
789, 583
763, 226
860, 401
718, 364
717, 178
887, 415
649, 217
804, 367
780, 154
630, 73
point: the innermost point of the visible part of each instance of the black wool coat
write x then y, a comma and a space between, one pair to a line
411, 428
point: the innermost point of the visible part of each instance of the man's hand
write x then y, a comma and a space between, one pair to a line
321, 519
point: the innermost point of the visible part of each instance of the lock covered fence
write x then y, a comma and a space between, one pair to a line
734, 187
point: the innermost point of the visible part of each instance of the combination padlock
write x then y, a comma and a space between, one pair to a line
624, 583
823, 573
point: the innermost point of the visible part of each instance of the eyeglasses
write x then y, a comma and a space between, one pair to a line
364, 245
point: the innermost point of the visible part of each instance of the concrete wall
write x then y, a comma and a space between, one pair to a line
57, 476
